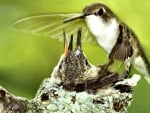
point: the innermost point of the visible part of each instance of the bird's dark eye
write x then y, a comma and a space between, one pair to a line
100, 12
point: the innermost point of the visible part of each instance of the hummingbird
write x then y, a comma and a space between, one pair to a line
99, 24
115, 37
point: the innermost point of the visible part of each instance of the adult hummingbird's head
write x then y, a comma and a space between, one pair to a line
97, 10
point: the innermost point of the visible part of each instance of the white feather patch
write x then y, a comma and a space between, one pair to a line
139, 64
105, 33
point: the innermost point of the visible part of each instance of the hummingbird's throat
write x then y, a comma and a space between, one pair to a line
105, 32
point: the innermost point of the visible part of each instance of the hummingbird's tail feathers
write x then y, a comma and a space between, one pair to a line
142, 65
147, 78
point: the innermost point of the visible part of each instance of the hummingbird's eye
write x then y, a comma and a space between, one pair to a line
100, 12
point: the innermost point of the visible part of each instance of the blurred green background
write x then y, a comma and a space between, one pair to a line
25, 59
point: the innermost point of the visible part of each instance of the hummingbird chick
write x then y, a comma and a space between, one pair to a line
75, 63
74, 72
73, 67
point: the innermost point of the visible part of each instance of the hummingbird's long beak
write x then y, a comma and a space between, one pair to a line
70, 43
65, 44
79, 38
79, 16
67, 48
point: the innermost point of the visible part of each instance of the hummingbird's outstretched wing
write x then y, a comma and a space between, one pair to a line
52, 25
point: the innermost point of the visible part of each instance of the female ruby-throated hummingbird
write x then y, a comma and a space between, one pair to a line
98, 21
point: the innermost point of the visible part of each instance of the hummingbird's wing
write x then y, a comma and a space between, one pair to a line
123, 48
52, 25
121, 51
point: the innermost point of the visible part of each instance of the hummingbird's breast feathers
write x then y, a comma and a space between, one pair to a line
105, 33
